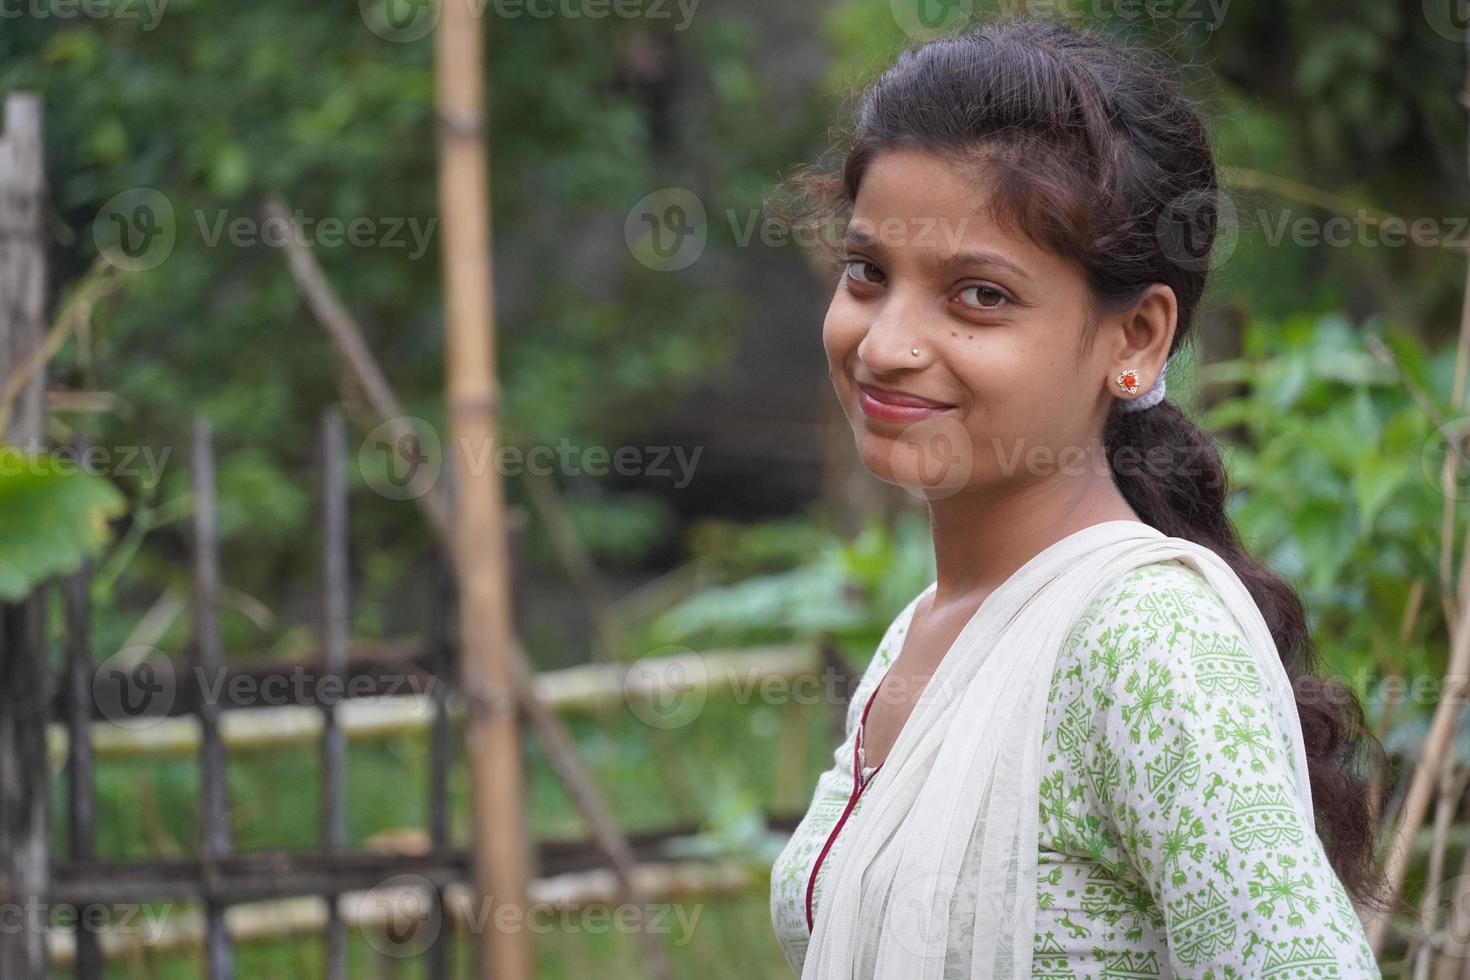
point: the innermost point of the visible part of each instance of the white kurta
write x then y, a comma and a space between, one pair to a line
1169, 843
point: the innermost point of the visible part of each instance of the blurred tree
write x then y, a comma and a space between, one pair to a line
173, 130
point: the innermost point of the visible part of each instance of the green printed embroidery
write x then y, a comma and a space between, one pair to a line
1177, 765
1263, 817
1293, 890
1131, 966
1224, 668
1153, 698
1200, 926
1241, 735
1184, 843
1049, 959
1170, 840
1301, 957
1117, 902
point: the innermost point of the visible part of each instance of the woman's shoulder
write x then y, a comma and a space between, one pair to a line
1158, 609
1169, 594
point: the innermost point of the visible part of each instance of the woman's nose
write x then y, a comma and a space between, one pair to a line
895, 337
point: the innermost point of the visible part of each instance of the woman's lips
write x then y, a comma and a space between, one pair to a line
897, 406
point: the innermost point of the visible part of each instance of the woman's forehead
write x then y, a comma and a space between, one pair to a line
940, 211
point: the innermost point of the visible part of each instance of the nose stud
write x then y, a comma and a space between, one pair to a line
914, 351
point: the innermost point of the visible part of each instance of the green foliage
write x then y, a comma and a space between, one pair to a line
1335, 468
732, 550
618, 529
846, 591
55, 516
216, 105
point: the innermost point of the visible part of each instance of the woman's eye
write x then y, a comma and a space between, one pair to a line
861, 270
986, 297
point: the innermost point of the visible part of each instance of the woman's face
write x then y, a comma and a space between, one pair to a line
956, 346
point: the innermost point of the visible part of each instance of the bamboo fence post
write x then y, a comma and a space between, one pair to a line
24, 795
434, 503
76, 592
481, 558
1455, 598
335, 616
441, 749
208, 647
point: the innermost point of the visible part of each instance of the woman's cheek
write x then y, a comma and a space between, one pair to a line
840, 339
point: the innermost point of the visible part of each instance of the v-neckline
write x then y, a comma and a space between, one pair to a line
907, 617
865, 771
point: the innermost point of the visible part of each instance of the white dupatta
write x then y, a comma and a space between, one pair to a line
960, 788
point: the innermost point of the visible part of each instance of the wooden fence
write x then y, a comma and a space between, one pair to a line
92, 703
94, 709
23, 799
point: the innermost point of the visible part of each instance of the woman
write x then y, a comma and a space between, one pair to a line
1099, 748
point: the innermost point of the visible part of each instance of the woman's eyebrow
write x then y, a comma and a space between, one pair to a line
936, 261
961, 259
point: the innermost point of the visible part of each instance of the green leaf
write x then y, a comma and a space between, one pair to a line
54, 516
1375, 478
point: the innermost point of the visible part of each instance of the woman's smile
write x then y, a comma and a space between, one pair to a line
890, 405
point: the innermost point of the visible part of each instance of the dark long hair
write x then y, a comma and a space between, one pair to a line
1095, 153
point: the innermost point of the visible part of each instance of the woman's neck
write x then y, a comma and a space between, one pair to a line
980, 539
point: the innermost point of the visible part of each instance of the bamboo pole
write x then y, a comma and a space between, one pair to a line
481, 559
209, 656
1455, 598
435, 505
24, 786
181, 929
81, 788
336, 618
587, 689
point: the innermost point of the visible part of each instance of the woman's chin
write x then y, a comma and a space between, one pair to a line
899, 463
927, 461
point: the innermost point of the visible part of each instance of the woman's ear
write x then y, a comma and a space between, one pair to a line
1147, 333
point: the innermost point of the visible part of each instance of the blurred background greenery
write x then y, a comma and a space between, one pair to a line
1325, 368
